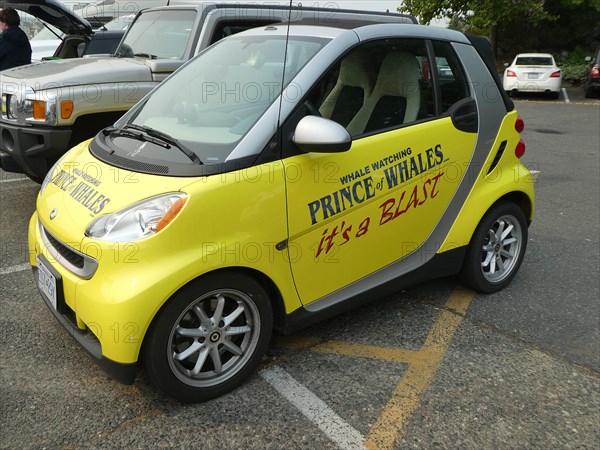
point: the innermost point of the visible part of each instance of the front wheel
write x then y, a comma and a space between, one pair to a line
496, 249
209, 337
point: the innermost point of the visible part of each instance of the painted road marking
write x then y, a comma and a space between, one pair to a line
12, 269
567, 100
12, 180
313, 408
390, 426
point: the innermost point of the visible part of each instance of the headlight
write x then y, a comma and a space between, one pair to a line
4, 104
12, 107
138, 221
40, 110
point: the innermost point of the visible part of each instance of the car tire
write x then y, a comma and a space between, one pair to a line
496, 249
209, 337
589, 92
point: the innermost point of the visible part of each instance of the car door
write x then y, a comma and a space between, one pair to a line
352, 213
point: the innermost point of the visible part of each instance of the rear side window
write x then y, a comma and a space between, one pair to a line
227, 28
450, 74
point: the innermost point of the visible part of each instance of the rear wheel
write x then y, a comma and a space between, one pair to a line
209, 337
496, 249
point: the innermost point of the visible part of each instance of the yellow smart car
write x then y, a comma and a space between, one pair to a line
283, 175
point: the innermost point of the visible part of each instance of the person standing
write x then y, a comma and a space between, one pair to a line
15, 49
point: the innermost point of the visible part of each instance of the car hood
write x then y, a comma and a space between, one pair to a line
77, 71
82, 188
54, 13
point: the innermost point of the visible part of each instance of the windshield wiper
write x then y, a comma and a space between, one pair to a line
134, 135
166, 140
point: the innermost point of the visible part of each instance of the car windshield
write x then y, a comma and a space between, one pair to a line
211, 103
159, 34
534, 61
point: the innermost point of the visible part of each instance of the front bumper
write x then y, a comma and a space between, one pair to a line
109, 328
32, 150
123, 373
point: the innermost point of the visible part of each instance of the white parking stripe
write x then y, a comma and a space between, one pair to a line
12, 180
314, 409
567, 99
12, 269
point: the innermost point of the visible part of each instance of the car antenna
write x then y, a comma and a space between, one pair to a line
287, 38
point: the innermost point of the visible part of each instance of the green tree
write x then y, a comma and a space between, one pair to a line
531, 23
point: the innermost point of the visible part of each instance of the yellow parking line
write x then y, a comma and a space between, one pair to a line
368, 351
390, 425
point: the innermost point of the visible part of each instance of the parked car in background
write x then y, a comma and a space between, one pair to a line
45, 42
592, 81
106, 39
60, 33
104, 11
75, 30
533, 72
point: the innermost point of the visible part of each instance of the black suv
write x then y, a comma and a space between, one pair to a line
592, 82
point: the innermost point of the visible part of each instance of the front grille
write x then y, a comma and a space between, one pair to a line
82, 265
66, 252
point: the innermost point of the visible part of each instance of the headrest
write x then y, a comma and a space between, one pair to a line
357, 70
399, 75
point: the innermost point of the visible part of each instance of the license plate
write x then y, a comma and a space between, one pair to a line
46, 282
532, 76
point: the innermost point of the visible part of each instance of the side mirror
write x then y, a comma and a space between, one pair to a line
588, 58
506, 64
321, 135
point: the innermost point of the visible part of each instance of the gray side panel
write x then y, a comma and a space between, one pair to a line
490, 107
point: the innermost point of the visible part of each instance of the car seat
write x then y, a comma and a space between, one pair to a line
355, 83
396, 97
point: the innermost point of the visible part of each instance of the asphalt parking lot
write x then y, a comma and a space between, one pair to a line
433, 366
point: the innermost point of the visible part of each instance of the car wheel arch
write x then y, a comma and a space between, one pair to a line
275, 297
487, 276
519, 198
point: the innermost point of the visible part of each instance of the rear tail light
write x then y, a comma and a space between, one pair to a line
555, 74
510, 73
520, 126
520, 149
596, 70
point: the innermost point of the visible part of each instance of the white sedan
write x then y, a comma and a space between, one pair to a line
533, 72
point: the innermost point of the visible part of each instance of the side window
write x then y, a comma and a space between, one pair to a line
228, 27
450, 75
377, 86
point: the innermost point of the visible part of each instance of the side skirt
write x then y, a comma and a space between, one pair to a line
441, 265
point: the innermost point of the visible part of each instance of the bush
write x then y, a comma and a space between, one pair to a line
574, 73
